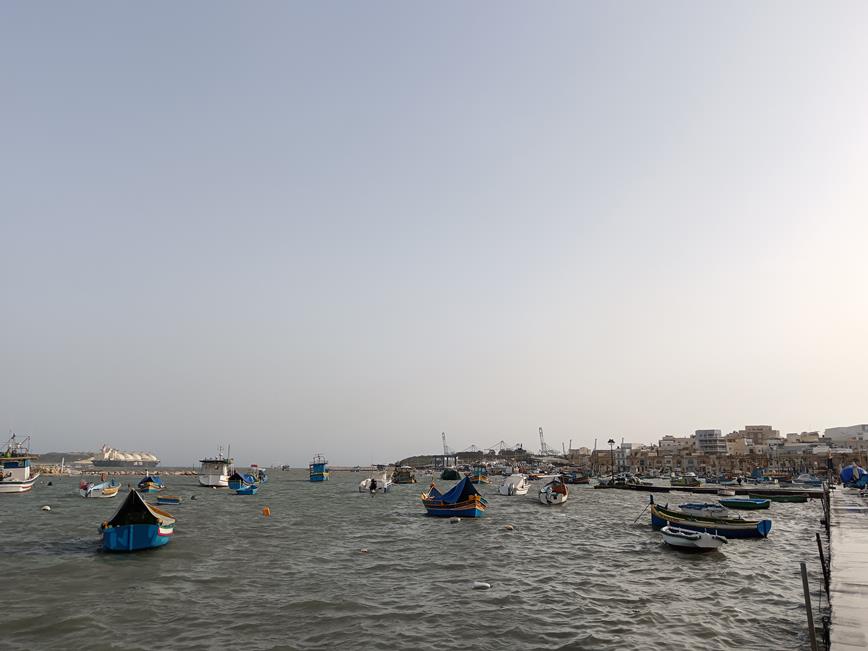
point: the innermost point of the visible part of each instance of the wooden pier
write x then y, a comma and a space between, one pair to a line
753, 489
848, 592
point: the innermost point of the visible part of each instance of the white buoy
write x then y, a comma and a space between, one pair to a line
509, 527
46, 508
455, 520
481, 585
363, 550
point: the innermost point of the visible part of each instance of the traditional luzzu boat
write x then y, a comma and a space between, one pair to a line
137, 525
462, 500
688, 540
797, 498
168, 499
746, 503
662, 516
515, 485
15, 467
103, 489
554, 492
150, 484
238, 480
479, 475
319, 468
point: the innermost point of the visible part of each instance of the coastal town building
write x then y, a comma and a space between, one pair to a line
844, 434
709, 441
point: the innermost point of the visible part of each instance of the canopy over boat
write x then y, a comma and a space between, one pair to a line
150, 479
135, 510
461, 500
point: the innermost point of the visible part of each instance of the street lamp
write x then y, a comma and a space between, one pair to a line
612, 457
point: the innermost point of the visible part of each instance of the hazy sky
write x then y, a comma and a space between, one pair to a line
344, 227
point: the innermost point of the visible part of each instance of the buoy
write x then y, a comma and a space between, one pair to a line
481, 585
509, 527
266, 511
46, 508
363, 550
193, 497
50, 484
455, 520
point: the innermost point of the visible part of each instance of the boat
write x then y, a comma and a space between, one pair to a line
630, 482
259, 474
462, 500
150, 484
318, 468
450, 474
479, 475
247, 489
662, 516
797, 498
705, 509
102, 489
691, 540
168, 499
807, 479
515, 485
726, 492
110, 458
238, 480
746, 503
690, 479
136, 525
214, 472
574, 478
403, 475
379, 482
15, 466
554, 492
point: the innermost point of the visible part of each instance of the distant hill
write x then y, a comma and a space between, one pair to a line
67, 457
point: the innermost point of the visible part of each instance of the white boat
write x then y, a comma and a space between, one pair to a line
554, 492
381, 482
215, 471
515, 485
104, 489
687, 539
726, 492
15, 467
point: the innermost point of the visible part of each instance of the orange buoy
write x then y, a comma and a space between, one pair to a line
266, 511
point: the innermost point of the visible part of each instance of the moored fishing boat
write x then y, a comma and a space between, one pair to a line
449, 474
403, 475
168, 499
515, 485
379, 482
728, 527
462, 500
238, 480
214, 471
726, 492
691, 540
150, 484
575, 478
15, 466
102, 489
745, 503
554, 492
318, 469
479, 475
248, 489
797, 498
136, 525
689, 479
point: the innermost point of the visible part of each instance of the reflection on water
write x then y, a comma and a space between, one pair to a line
577, 576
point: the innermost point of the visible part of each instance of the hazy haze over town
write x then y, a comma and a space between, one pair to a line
347, 227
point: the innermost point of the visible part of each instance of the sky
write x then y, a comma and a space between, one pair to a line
346, 227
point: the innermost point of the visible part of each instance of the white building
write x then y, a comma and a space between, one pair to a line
710, 441
843, 434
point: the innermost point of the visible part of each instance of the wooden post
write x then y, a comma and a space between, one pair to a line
823, 564
807, 593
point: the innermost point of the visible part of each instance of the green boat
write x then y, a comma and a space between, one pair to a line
746, 503
798, 498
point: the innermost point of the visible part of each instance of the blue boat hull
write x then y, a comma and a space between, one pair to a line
318, 478
248, 490
471, 512
134, 537
760, 531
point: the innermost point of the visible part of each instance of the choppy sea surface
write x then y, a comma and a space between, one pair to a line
576, 576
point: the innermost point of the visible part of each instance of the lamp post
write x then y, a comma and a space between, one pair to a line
612, 457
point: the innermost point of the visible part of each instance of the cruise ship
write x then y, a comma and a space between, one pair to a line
111, 458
